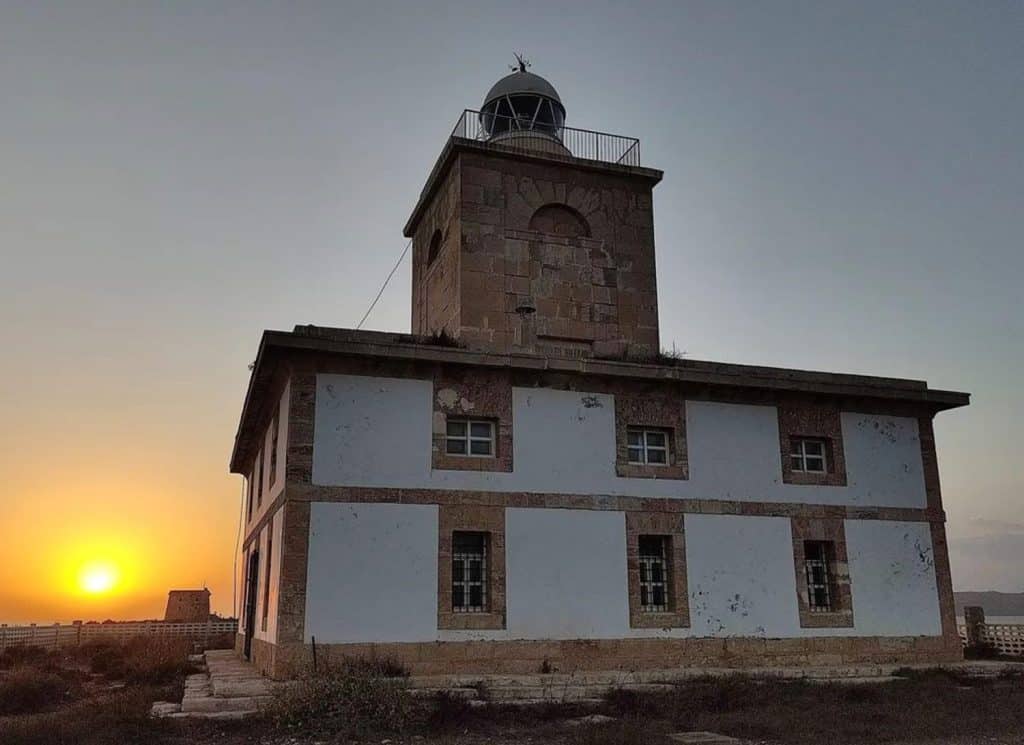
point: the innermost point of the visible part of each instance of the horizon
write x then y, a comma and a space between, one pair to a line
841, 193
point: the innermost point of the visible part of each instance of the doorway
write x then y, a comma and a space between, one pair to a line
252, 576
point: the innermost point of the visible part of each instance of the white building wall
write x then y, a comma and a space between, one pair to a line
271, 491
374, 431
566, 574
892, 573
372, 573
372, 577
271, 537
883, 458
742, 580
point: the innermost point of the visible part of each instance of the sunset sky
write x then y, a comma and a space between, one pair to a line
843, 191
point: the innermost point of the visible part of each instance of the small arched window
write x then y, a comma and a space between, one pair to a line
561, 220
435, 247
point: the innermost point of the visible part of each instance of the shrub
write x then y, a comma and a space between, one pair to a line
121, 719
382, 667
341, 701
26, 690
21, 655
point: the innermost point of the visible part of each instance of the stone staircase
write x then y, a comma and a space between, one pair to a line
227, 688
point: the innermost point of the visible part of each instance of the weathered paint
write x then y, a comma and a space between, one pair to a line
892, 574
566, 577
377, 432
372, 573
741, 576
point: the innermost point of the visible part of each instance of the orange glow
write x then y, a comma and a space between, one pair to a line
98, 577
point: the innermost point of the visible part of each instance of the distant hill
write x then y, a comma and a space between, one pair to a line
994, 603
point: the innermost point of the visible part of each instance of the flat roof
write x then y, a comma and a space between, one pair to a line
408, 347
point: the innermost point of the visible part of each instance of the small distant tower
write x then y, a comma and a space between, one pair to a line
188, 605
534, 237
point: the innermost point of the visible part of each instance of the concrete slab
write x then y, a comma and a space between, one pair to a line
704, 738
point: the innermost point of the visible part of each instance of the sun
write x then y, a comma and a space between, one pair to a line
97, 577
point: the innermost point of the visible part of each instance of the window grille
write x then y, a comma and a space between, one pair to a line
808, 456
470, 437
469, 572
654, 553
647, 447
819, 579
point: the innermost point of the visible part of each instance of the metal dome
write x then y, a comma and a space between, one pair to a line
523, 105
521, 82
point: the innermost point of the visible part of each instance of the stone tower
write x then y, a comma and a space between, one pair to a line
531, 236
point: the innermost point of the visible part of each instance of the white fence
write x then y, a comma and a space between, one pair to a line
1007, 638
81, 633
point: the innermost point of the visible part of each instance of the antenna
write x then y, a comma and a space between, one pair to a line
522, 63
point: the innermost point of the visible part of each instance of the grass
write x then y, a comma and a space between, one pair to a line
26, 690
67, 697
90, 695
929, 705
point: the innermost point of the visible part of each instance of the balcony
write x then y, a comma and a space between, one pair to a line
530, 137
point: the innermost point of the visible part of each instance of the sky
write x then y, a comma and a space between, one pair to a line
844, 191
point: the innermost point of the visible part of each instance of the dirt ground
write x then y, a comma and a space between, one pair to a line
102, 696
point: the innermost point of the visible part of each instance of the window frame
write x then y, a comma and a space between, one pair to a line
274, 438
798, 455
644, 447
646, 563
824, 551
465, 583
469, 438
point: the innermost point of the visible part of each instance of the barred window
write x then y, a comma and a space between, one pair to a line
808, 456
471, 437
819, 576
648, 447
654, 552
469, 572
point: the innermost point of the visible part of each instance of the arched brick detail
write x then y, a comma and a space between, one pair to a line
560, 220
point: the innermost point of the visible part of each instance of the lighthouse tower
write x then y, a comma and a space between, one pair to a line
534, 237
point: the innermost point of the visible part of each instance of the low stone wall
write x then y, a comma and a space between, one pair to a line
529, 657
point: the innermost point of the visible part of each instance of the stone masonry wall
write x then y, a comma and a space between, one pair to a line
576, 242
435, 284
591, 279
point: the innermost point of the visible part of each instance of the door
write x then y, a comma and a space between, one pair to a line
252, 578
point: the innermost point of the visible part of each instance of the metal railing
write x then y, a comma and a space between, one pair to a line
522, 135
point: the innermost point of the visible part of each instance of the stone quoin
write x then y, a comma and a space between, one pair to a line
525, 482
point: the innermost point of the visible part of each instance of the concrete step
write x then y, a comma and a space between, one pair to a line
465, 694
239, 687
213, 704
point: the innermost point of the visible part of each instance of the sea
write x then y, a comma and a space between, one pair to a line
998, 619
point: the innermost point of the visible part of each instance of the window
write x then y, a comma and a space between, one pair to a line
808, 456
647, 447
273, 450
248, 501
435, 247
654, 584
469, 572
259, 480
266, 581
816, 565
471, 437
